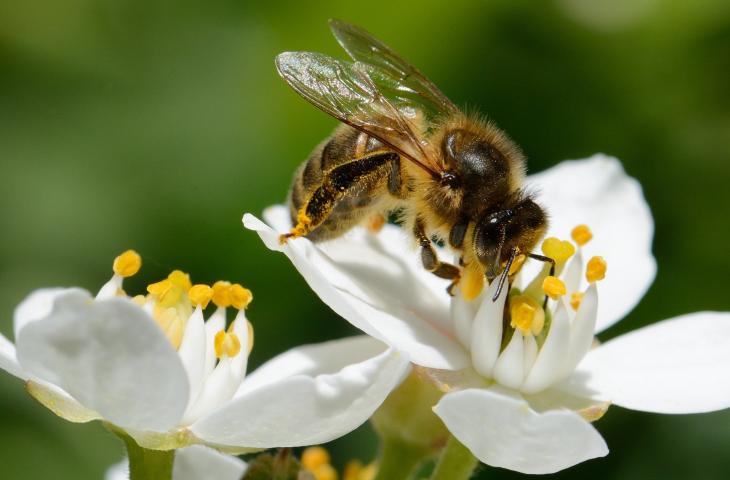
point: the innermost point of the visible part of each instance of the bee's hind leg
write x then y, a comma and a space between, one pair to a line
430, 260
361, 173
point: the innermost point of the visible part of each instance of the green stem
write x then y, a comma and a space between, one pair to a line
147, 464
398, 459
455, 463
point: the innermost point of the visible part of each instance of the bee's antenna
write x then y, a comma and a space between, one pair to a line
505, 273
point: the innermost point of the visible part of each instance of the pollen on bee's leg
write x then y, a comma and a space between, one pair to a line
472, 281
226, 344
300, 229
553, 287
596, 269
375, 223
526, 315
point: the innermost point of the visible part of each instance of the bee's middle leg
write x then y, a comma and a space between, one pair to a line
430, 260
338, 183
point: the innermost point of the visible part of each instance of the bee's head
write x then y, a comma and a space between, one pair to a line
499, 232
483, 169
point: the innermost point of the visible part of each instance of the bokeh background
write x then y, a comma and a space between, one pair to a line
156, 124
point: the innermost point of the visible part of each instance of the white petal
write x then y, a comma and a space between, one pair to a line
35, 306
462, 315
574, 272
192, 352
531, 351
503, 431
191, 463
310, 360
59, 402
303, 409
598, 192
8, 359
675, 366
509, 369
382, 294
550, 362
111, 357
240, 361
219, 387
582, 328
486, 334
203, 463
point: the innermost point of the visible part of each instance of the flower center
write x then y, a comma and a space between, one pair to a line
526, 315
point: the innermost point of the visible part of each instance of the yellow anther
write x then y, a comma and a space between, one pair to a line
171, 324
139, 300
240, 297
313, 457
527, 315
596, 269
180, 279
226, 343
575, 299
581, 234
355, 470
222, 294
168, 292
200, 294
160, 288
517, 264
324, 472
127, 264
553, 287
472, 281
558, 250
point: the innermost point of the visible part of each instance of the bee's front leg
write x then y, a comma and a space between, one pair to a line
430, 260
362, 173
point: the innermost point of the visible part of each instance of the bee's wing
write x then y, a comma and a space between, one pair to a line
412, 85
348, 91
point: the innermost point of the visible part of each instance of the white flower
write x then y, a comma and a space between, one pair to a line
525, 404
192, 463
155, 368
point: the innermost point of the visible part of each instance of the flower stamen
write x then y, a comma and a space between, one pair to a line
517, 264
317, 461
127, 264
581, 234
575, 299
553, 287
596, 269
226, 344
200, 294
527, 315
558, 250
239, 297
222, 294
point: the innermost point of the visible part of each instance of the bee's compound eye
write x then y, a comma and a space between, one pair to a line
450, 179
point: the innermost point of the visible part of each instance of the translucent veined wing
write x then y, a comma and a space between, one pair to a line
348, 91
411, 86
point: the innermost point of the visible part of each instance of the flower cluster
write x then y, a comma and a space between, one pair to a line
521, 377
154, 368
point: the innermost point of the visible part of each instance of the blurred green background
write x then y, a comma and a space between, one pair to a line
155, 125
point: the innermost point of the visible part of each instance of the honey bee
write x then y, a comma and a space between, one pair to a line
404, 147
